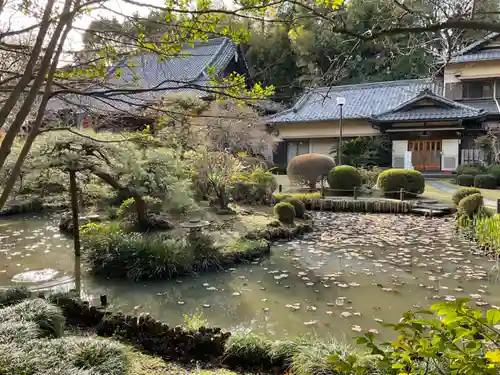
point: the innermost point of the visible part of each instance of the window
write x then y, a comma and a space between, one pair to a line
477, 90
295, 148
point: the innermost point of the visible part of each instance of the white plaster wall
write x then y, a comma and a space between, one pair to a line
449, 159
398, 153
322, 145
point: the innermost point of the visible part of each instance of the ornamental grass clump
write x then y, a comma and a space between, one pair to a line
136, 256
285, 212
462, 193
248, 349
343, 179
49, 318
410, 181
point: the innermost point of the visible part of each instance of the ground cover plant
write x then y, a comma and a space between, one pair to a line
112, 251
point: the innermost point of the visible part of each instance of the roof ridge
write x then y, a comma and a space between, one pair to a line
400, 82
477, 43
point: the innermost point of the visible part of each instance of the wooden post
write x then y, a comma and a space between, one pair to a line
498, 206
355, 193
74, 211
280, 188
322, 191
402, 194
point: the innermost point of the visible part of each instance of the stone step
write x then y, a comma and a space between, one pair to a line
429, 212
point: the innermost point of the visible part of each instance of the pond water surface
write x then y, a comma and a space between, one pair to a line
353, 272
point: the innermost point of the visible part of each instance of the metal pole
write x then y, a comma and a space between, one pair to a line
340, 138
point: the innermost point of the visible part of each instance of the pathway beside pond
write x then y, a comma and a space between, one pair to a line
451, 190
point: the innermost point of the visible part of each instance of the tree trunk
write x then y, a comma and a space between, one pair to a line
8, 140
140, 203
74, 212
9, 185
28, 71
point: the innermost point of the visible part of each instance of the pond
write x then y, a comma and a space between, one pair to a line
353, 272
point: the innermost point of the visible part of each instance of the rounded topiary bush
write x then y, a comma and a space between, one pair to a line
285, 212
470, 204
344, 179
309, 169
391, 181
298, 205
495, 171
485, 181
464, 192
472, 169
465, 180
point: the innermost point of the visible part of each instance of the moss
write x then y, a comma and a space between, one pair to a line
285, 212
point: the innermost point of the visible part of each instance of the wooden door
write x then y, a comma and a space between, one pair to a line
425, 154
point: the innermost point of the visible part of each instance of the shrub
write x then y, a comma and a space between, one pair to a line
298, 205
462, 193
136, 255
49, 318
465, 180
392, 180
470, 204
248, 349
309, 169
14, 295
22, 332
285, 212
472, 169
255, 187
495, 171
369, 176
485, 181
344, 178
279, 197
312, 355
128, 209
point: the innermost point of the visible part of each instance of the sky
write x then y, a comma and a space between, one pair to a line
17, 20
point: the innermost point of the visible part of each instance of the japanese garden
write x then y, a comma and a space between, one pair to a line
156, 218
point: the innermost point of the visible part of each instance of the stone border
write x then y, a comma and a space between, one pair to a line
359, 205
145, 332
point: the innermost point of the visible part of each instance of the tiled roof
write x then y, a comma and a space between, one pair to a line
444, 109
473, 51
362, 101
488, 105
157, 77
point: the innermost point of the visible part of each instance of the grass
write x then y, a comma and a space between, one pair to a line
48, 318
490, 194
138, 256
434, 193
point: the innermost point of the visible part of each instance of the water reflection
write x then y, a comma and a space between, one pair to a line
353, 273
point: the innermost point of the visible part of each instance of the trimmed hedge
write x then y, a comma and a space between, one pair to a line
391, 181
472, 169
495, 171
309, 169
465, 180
462, 193
470, 204
285, 212
485, 181
344, 178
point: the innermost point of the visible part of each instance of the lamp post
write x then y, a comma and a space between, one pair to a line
340, 103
